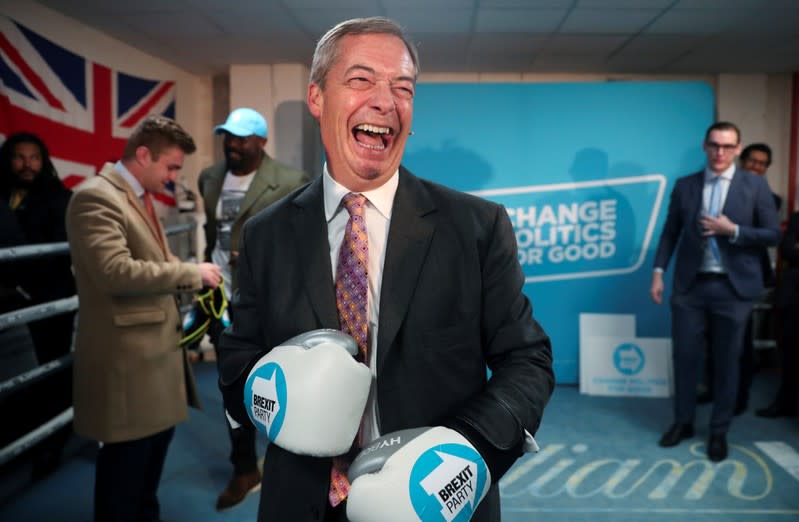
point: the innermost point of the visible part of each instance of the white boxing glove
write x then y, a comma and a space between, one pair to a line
427, 474
308, 394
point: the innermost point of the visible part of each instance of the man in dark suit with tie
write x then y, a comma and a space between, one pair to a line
444, 296
756, 158
721, 218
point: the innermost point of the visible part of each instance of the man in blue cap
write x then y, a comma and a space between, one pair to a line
233, 190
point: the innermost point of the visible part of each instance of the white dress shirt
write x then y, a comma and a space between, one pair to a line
377, 215
709, 261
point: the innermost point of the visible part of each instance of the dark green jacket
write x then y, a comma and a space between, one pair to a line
272, 181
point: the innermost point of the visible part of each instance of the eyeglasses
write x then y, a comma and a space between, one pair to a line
753, 161
725, 148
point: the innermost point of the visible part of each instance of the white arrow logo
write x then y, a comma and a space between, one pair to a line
453, 484
265, 405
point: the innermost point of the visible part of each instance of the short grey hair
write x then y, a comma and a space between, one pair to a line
327, 48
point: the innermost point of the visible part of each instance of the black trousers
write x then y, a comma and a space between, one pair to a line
788, 394
749, 365
127, 479
336, 514
710, 306
242, 439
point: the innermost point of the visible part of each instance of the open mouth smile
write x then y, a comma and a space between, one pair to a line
372, 137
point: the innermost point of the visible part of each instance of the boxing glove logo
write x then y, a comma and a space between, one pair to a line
447, 482
265, 398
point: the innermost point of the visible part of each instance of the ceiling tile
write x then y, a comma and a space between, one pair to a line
583, 44
119, 8
457, 35
423, 5
519, 20
608, 20
500, 62
486, 43
433, 20
240, 6
528, 4
235, 22
659, 44
319, 21
174, 25
736, 4
624, 4
325, 4
762, 22
568, 63
698, 21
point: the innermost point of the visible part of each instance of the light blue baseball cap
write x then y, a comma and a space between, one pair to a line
243, 122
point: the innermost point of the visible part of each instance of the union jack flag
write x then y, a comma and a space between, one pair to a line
83, 111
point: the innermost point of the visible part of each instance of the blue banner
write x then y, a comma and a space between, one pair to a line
584, 171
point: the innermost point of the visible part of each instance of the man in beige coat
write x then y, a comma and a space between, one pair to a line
132, 380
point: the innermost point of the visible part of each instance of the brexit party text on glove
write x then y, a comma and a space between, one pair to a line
426, 474
308, 394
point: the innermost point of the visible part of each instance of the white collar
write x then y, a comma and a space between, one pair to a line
130, 178
381, 198
727, 174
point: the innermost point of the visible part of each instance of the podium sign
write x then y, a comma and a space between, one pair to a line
613, 361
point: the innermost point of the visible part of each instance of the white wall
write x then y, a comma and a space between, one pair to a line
760, 105
278, 92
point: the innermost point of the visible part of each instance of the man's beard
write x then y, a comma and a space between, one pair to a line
240, 162
234, 162
25, 183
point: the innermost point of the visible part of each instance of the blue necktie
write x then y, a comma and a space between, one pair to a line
715, 203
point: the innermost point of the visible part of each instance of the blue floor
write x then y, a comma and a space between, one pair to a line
599, 461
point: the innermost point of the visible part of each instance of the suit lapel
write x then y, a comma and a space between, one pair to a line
735, 195
313, 253
157, 233
264, 179
409, 236
213, 188
695, 194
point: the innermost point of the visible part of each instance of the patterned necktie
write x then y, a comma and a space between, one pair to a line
352, 291
352, 282
713, 211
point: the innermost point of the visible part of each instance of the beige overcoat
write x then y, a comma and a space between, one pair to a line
131, 377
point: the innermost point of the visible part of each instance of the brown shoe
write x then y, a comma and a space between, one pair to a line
239, 487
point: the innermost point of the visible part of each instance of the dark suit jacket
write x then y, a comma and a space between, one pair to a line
41, 217
749, 204
788, 287
451, 302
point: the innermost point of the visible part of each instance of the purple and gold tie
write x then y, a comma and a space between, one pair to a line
352, 282
352, 296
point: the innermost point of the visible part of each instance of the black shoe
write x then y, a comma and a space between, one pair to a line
717, 447
740, 407
775, 409
704, 397
675, 434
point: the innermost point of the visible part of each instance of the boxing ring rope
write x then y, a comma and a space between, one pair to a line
18, 383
